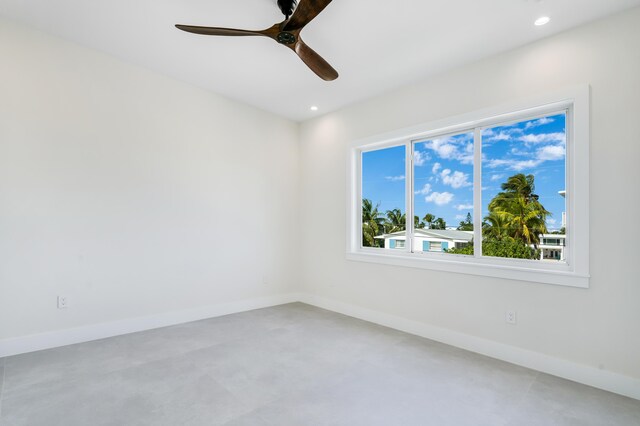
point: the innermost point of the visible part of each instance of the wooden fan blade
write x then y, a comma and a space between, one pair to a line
218, 31
315, 61
304, 13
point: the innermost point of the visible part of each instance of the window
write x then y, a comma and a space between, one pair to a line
383, 195
523, 190
492, 193
443, 191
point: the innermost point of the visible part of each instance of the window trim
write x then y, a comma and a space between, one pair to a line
575, 272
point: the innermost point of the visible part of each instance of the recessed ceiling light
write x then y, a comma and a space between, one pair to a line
543, 20
314, 108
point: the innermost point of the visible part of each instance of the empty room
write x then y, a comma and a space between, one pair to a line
317, 212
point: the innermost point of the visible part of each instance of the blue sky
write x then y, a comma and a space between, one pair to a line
444, 169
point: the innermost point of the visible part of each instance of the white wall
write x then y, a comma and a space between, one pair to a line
132, 193
595, 327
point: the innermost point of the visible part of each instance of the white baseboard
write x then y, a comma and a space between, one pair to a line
602, 379
69, 336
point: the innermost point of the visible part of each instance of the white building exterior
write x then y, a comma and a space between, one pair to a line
434, 240
552, 246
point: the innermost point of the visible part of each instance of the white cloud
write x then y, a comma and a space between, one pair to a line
456, 179
425, 189
460, 217
449, 148
517, 165
439, 198
506, 133
494, 137
394, 178
551, 152
540, 122
466, 159
551, 221
521, 153
464, 207
435, 168
443, 148
545, 153
496, 177
420, 157
544, 137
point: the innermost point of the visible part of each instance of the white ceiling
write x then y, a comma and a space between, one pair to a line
375, 45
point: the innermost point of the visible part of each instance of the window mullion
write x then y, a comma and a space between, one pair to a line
477, 192
569, 187
409, 196
358, 204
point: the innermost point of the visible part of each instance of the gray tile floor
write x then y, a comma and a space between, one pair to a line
289, 365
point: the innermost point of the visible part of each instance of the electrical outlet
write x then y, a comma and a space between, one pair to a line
63, 302
511, 317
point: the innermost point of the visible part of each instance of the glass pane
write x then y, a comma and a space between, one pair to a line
523, 194
443, 194
383, 198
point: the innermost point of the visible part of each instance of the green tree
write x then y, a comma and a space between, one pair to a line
439, 223
505, 247
372, 224
395, 221
520, 209
496, 225
467, 224
417, 224
428, 219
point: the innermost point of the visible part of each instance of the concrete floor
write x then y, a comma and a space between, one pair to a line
289, 365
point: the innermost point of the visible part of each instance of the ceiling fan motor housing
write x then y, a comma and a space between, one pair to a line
285, 37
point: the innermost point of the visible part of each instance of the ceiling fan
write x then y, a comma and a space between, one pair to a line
286, 33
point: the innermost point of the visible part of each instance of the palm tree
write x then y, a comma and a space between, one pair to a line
439, 223
519, 209
495, 225
522, 185
395, 221
527, 221
372, 223
428, 219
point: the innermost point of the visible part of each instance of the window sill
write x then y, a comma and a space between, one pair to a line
473, 267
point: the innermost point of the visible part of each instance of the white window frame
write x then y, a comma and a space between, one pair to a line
574, 272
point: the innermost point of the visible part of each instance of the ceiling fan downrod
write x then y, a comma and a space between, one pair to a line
287, 7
